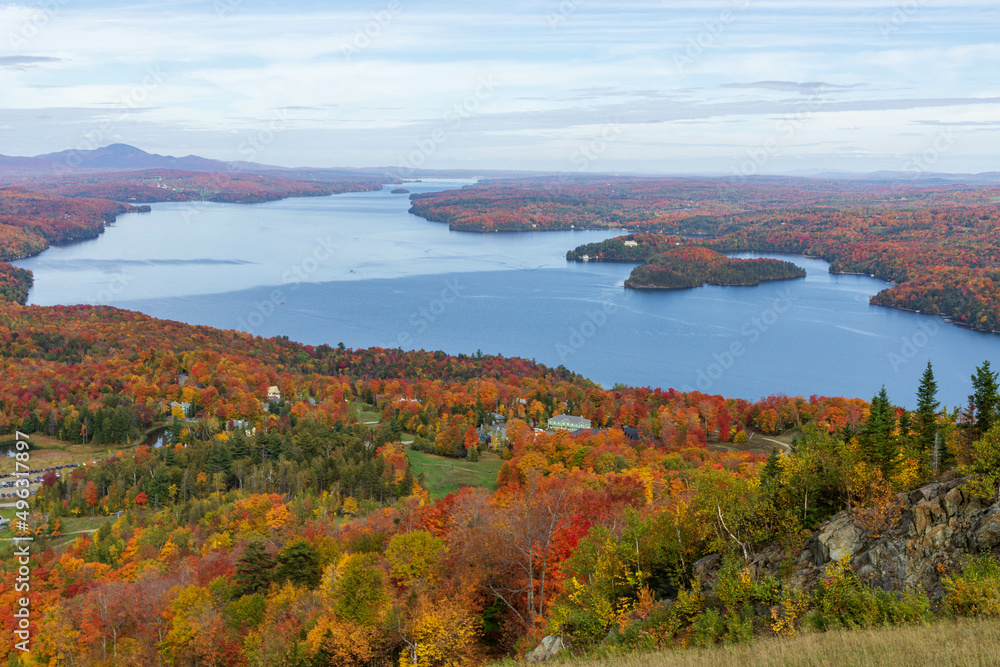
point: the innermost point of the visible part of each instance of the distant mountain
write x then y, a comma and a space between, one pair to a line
22, 163
123, 156
921, 177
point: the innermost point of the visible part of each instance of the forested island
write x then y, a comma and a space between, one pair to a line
686, 267
676, 262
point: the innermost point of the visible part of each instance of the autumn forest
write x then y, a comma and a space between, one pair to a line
274, 503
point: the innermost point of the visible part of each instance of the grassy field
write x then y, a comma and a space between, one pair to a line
72, 527
367, 414
963, 643
443, 475
50, 452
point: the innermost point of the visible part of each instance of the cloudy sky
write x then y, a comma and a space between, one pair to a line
748, 86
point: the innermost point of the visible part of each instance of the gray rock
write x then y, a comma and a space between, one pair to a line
550, 647
939, 524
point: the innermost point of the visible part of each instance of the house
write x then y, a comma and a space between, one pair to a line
273, 393
631, 244
186, 407
241, 425
568, 423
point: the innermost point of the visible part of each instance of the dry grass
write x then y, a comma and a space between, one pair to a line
966, 643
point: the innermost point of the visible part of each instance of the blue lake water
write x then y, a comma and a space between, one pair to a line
359, 269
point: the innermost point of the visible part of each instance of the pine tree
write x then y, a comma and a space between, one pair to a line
254, 570
925, 418
985, 398
219, 459
298, 561
238, 446
877, 439
772, 468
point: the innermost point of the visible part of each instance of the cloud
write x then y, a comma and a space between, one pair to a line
24, 62
806, 88
959, 123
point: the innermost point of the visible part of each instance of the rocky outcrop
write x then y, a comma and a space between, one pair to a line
550, 647
938, 524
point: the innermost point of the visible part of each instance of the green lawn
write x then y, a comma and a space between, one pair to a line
367, 413
443, 475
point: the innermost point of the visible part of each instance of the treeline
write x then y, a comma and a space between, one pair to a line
30, 221
633, 248
170, 185
686, 267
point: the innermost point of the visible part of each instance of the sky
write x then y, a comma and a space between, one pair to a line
723, 87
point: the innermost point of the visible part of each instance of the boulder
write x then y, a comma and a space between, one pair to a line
549, 648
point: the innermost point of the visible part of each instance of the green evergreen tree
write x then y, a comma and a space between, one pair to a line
238, 447
175, 430
925, 425
985, 399
772, 469
877, 438
298, 561
405, 485
219, 459
254, 570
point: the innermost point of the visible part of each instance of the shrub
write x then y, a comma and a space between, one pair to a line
977, 591
844, 602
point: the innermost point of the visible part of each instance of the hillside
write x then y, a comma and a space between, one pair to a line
283, 516
30, 221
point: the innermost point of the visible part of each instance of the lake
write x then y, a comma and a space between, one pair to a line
359, 269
